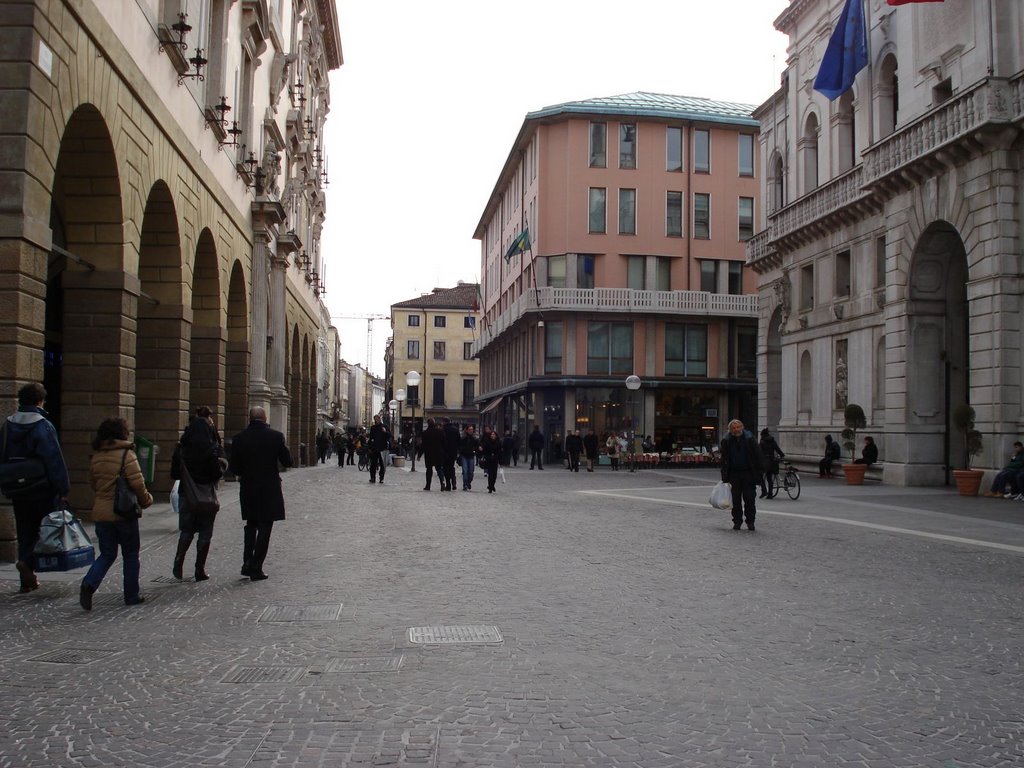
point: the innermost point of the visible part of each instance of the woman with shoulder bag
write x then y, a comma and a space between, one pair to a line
200, 456
115, 457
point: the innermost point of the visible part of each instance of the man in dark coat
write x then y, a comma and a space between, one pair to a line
452, 441
256, 453
741, 466
535, 442
574, 447
377, 443
29, 435
432, 445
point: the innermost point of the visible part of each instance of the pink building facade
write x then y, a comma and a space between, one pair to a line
638, 208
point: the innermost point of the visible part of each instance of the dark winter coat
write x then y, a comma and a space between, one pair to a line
748, 449
536, 441
256, 452
490, 451
574, 444
870, 453
452, 441
432, 445
380, 438
469, 446
590, 445
30, 435
771, 453
200, 450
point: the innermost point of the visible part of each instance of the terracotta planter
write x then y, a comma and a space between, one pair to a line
854, 473
968, 481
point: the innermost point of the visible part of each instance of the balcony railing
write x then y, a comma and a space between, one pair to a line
619, 300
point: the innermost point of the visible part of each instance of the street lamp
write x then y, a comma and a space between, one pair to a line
400, 397
393, 406
632, 384
412, 379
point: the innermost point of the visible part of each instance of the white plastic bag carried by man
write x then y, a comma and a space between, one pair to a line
721, 496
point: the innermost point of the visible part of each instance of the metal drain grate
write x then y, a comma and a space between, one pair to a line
365, 664
455, 634
244, 674
170, 580
73, 656
302, 613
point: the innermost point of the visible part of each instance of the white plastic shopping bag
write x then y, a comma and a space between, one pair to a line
174, 496
501, 473
721, 496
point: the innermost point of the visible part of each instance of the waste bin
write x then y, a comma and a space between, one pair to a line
147, 450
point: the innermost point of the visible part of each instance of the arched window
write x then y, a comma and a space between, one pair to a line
776, 183
809, 153
806, 393
845, 133
888, 96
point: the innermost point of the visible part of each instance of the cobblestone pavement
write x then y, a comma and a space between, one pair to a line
612, 619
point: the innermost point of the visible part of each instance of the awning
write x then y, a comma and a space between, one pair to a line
493, 404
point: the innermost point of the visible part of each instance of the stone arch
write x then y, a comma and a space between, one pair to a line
209, 334
307, 421
844, 133
236, 378
805, 395
162, 357
938, 370
294, 391
88, 341
888, 94
808, 149
773, 371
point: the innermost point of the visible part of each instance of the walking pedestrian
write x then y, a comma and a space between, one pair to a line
508, 446
377, 443
350, 448
574, 447
469, 450
516, 447
535, 442
452, 441
200, 453
611, 446
114, 455
490, 456
432, 445
28, 435
256, 453
741, 466
340, 447
590, 448
321, 446
770, 455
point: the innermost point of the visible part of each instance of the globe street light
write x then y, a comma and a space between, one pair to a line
400, 397
412, 379
393, 406
633, 383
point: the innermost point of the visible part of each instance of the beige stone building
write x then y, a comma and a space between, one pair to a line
890, 257
162, 203
433, 335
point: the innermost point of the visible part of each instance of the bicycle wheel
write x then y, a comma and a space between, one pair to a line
793, 485
776, 487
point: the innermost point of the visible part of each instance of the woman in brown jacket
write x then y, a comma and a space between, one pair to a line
112, 451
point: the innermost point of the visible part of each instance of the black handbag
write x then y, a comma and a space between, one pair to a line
199, 498
126, 503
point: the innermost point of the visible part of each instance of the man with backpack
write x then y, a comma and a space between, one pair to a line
33, 474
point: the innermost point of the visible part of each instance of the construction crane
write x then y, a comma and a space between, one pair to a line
368, 398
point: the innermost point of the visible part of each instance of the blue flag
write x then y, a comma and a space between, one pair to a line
846, 54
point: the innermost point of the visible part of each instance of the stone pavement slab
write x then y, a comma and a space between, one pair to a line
857, 627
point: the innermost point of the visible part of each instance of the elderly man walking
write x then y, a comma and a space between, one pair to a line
256, 452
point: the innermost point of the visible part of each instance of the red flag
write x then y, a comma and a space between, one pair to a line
905, 2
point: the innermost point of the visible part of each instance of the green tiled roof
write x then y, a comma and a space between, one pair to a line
657, 105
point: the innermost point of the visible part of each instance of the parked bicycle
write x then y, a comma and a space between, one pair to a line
364, 459
787, 479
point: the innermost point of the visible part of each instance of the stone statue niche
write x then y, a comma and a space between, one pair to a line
842, 387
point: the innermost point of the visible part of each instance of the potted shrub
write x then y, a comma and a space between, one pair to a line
853, 419
968, 480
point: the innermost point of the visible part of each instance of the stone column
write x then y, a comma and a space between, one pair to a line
259, 391
279, 330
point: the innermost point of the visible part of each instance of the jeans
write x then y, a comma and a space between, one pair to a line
377, 464
110, 534
468, 465
1006, 481
536, 458
744, 485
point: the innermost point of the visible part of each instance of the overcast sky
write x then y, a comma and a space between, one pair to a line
432, 94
